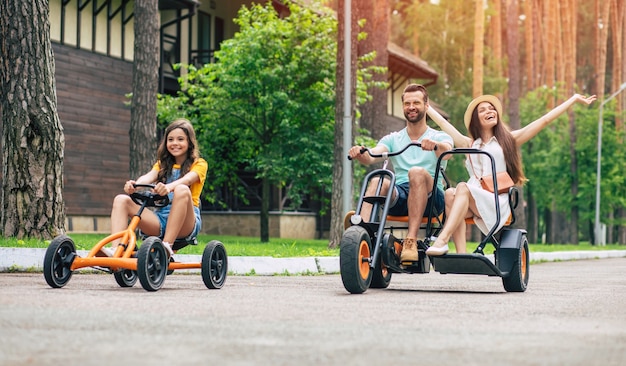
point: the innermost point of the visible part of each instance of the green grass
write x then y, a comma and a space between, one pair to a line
235, 245
279, 248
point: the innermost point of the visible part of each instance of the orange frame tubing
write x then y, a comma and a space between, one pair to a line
121, 258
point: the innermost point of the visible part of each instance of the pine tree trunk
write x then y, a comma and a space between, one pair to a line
337, 209
515, 85
265, 210
550, 46
479, 40
373, 112
32, 135
143, 142
568, 13
497, 36
532, 216
529, 43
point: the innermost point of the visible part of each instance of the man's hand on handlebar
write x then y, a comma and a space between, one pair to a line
429, 145
356, 152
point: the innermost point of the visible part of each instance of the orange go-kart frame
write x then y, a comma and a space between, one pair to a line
149, 263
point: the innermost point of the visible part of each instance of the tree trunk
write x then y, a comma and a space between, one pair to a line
373, 112
479, 40
602, 48
337, 209
532, 216
515, 85
143, 142
550, 45
32, 135
497, 36
619, 71
529, 43
568, 16
265, 210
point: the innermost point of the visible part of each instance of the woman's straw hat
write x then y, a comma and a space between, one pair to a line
474, 103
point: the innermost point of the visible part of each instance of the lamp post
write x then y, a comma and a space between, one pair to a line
598, 170
347, 107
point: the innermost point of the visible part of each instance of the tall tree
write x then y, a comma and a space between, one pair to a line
32, 135
515, 83
479, 40
568, 18
143, 111
496, 25
267, 105
337, 209
376, 16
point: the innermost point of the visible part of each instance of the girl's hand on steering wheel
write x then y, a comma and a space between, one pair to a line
161, 189
129, 187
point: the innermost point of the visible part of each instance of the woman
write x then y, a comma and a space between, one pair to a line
483, 120
179, 173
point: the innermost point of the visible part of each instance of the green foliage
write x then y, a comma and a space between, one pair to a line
547, 158
267, 105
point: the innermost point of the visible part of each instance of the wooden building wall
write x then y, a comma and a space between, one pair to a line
91, 96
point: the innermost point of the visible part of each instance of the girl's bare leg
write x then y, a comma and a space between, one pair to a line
181, 220
123, 209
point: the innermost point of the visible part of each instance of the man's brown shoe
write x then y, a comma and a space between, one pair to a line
409, 251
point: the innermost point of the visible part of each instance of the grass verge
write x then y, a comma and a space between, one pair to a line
276, 247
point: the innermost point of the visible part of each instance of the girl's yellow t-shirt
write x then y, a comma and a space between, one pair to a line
200, 167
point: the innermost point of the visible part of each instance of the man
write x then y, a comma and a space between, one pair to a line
414, 169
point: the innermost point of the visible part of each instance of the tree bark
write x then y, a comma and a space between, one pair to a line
529, 43
265, 210
32, 135
568, 16
143, 113
337, 209
497, 36
374, 112
479, 40
515, 85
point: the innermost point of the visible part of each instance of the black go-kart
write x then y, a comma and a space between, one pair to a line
370, 251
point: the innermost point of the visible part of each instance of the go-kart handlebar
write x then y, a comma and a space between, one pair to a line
388, 154
148, 198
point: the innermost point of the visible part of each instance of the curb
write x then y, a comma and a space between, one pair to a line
31, 259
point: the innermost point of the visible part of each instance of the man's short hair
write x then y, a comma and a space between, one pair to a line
416, 87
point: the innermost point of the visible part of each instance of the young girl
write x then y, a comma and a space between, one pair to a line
179, 173
487, 132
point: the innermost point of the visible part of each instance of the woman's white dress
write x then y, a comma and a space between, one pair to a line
484, 199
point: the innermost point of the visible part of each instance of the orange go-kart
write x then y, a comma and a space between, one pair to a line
149, 261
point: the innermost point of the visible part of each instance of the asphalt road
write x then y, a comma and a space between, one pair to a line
573, 313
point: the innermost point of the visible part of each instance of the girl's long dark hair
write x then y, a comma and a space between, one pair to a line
512, 155
166, 160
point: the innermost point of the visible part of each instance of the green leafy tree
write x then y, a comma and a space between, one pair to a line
267, 105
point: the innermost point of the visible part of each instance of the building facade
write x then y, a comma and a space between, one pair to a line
93, 48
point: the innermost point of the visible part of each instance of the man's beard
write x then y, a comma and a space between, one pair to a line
420, 115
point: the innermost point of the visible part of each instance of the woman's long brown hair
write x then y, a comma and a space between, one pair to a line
166, 160
512, 155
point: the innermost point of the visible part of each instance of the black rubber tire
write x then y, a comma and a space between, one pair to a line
381, 276
214, 265
517, 280
58, 261
152, 263
354, 255
125, 277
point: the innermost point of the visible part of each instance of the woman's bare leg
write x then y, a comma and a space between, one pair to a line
459, 209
